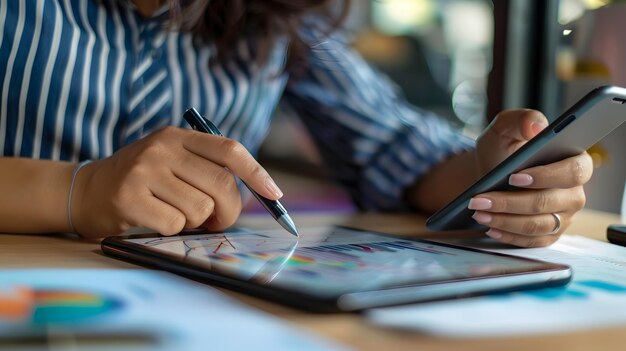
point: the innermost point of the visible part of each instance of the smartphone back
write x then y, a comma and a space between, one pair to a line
580, 127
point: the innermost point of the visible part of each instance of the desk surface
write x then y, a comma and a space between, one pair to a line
58, 251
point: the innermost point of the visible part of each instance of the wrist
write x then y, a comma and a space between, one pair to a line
78, 195
444, 182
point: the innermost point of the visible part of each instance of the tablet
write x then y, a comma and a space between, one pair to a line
576, 130
335, 268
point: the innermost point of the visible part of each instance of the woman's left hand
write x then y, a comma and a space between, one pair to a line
550, 195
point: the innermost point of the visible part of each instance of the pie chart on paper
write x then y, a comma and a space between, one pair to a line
50, 306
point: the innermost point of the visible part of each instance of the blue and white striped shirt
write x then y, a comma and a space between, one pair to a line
79, 79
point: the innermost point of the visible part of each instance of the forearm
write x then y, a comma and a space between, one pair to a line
34, 195
443, 182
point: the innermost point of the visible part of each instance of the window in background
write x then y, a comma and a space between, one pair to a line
591, 53
438, 52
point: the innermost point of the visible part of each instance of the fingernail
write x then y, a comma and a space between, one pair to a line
479, 203
520, 179
494, 233
482, 217
537, 127
273, 188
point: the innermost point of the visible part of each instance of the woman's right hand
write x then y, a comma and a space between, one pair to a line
172, 179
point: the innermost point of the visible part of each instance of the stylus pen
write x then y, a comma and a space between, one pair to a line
274, 207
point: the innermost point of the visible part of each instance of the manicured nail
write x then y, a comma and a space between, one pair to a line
480, 203
273, 188
482, 217
520, 179
494, 233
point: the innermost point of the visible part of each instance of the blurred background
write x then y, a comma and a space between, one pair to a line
467, 60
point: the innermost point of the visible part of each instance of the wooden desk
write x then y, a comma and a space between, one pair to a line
30, 251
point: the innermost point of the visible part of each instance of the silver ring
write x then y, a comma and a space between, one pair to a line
557, 225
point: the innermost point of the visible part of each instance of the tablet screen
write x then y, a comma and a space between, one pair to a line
332, 261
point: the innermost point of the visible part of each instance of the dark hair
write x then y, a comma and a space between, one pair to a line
223, 22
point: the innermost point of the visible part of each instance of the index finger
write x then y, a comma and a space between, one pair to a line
233, 155
567, 173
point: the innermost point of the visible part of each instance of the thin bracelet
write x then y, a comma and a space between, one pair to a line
69, 199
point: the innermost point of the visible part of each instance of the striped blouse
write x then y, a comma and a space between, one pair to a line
79, 79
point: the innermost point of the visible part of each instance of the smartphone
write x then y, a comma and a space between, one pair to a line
616, 234
580, 127
333, 268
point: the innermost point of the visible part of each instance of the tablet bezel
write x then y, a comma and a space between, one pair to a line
117, 246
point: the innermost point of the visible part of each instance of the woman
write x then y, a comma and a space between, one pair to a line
101, 80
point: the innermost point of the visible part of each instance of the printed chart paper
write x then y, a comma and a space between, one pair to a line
595, 298
133, 310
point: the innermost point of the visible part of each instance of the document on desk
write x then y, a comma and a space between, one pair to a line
133, 310
595, 298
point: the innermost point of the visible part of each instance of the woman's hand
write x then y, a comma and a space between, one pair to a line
173, 179
526, 217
